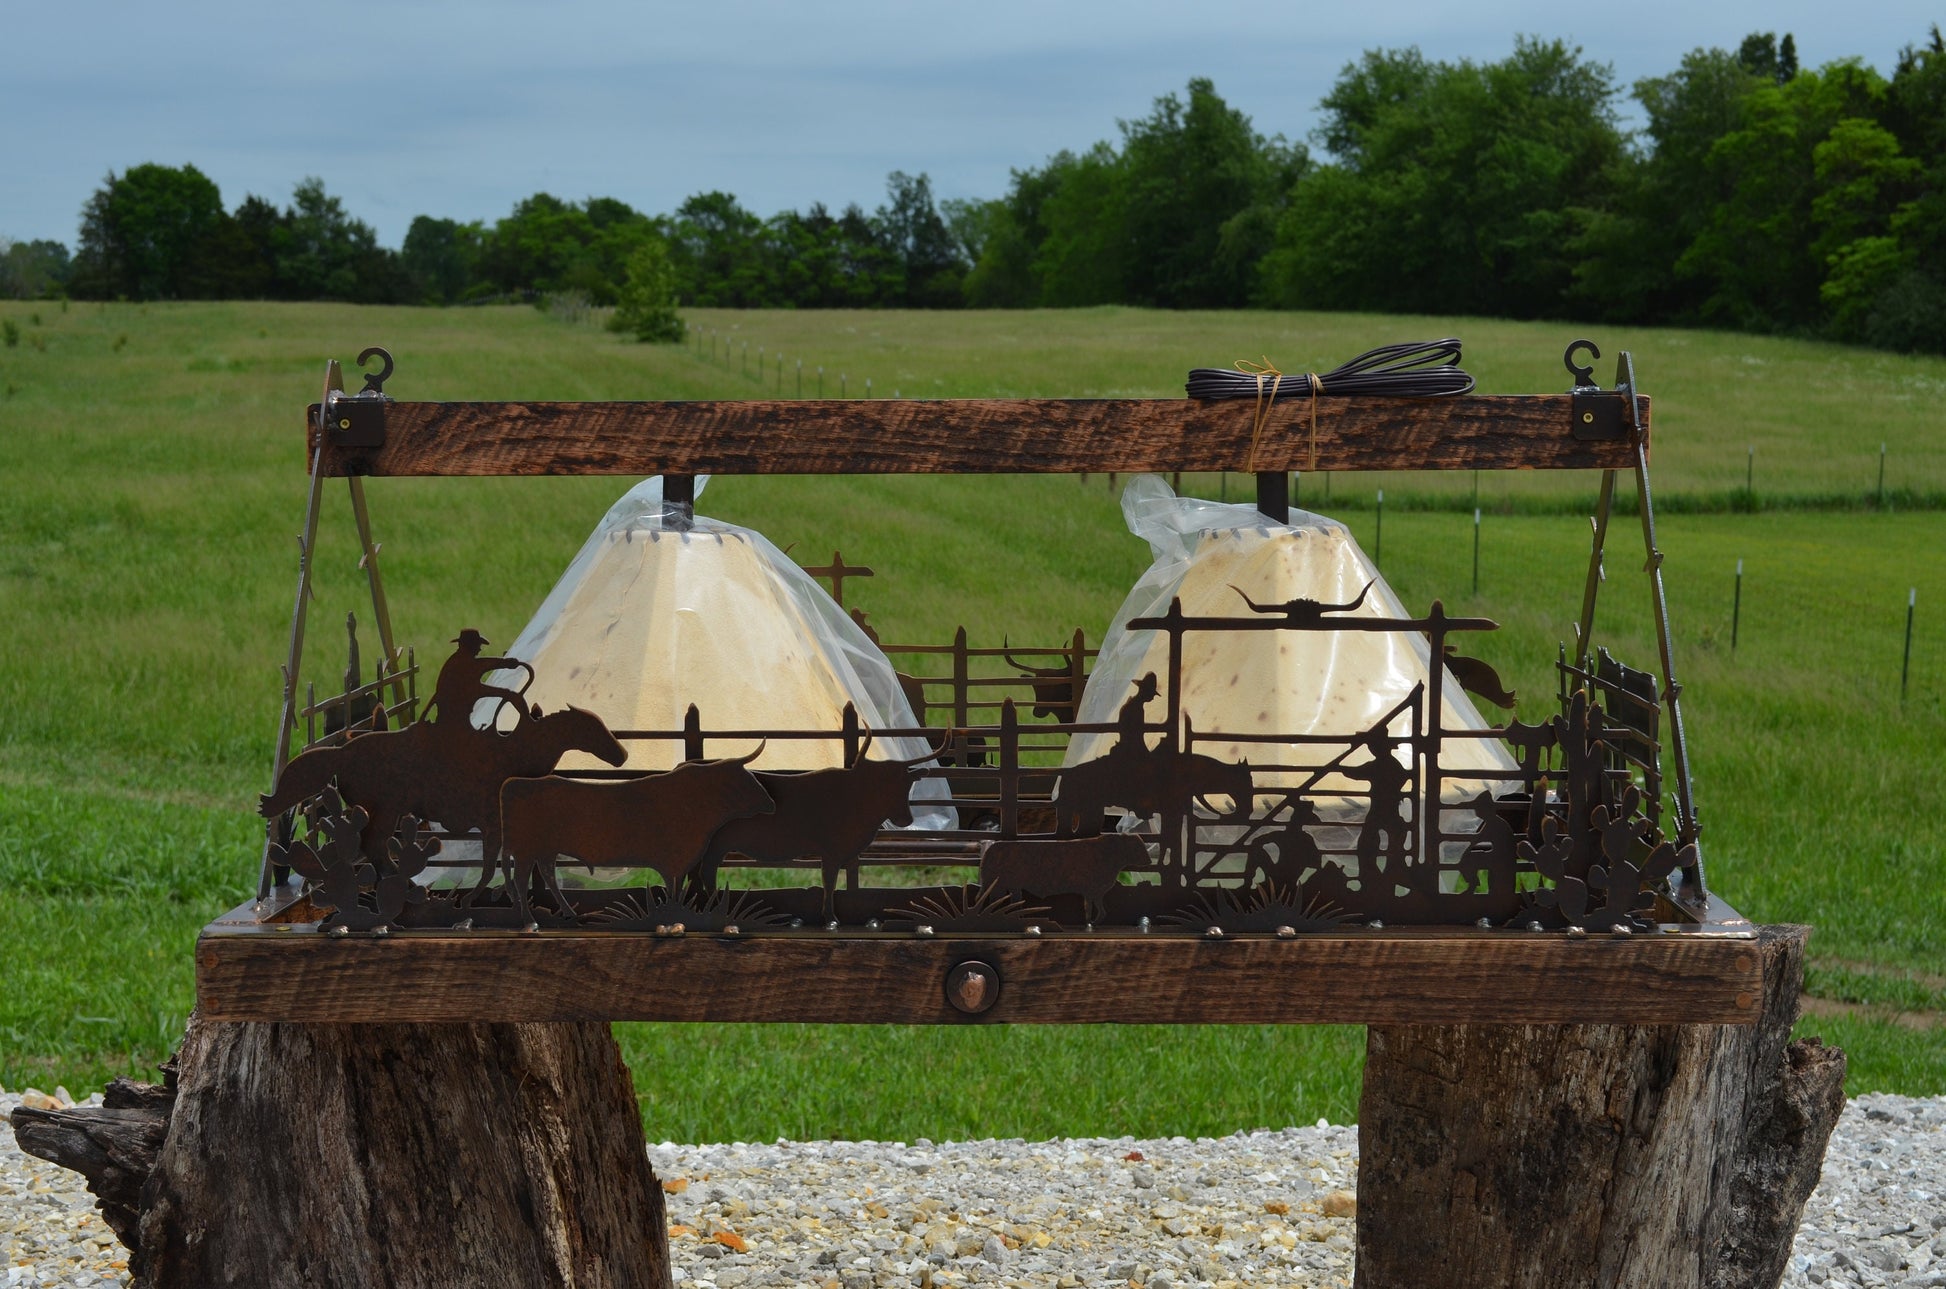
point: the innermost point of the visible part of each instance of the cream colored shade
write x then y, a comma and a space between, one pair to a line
1336, 683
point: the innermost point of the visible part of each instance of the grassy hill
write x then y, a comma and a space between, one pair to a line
151, 485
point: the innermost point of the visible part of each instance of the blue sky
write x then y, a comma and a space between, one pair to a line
424, 106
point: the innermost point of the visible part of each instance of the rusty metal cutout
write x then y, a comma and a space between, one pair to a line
1373, 827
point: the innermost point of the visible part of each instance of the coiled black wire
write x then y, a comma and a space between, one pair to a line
1423, 369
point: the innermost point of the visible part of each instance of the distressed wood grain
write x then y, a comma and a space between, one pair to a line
971, 436
1392, 977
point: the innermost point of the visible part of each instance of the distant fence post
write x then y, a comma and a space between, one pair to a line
1905, 668
1736, 608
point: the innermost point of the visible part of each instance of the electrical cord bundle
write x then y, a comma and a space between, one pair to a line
1425, 369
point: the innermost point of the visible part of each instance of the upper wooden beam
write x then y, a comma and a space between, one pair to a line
975, 436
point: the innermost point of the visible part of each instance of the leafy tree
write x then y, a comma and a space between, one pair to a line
144, 234
323, 253
442, 258
1761, 252
912, 229
1201, 193
548, 245
1761, 56
1012, 230
1909, 311
645, 306
1456, 185
717, 248
33, 270
1629, 248
1082, 258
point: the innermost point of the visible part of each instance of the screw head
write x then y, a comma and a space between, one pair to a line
972, 987
1587, 418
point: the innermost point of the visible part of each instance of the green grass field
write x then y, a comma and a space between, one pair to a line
151, 485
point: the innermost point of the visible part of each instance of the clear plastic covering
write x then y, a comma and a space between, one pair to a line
1335, 683
650, 618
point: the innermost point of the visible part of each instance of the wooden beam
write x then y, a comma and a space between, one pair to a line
973, 436
1392, 977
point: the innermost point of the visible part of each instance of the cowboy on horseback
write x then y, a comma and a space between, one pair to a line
462, 682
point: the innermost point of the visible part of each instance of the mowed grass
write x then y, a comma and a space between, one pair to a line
151, 486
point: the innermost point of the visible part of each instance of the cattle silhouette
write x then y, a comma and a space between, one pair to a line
661, 821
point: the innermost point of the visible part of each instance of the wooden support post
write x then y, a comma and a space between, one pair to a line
375, 1157
1523, 1156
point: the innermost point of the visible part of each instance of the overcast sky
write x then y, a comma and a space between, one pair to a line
460, 109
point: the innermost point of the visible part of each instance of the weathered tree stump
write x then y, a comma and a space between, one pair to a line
1524, 1155
357, 1157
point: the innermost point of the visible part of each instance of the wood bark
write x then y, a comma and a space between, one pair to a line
969, 436
114, 1146
355, 1157
1667, 1156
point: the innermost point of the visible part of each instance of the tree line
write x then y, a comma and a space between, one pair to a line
1757, 195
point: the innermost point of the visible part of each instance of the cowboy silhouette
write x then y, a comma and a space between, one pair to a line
1131, 738
462, 682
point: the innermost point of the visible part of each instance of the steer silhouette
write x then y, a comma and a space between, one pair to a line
1056, 694
661, 821
830, 815
1086, 866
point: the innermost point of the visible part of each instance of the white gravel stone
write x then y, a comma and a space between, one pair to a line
1243, 1210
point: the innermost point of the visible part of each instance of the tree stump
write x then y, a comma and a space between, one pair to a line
360, 1157
1522, 1155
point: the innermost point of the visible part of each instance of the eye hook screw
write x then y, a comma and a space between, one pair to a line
375, 381
1584, 377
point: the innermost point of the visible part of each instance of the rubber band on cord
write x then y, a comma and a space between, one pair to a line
1260, 416
1317, 387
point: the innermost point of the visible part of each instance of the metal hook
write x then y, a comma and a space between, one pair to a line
375, 382
1584, 377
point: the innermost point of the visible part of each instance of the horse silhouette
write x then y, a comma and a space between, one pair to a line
447, 773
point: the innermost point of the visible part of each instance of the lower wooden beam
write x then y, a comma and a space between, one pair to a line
1374, 977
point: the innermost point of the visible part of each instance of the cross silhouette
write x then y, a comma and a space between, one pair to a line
837, 570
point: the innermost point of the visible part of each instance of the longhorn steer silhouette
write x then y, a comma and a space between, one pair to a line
831, 815
661, 821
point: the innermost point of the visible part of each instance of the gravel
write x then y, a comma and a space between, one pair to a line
1257, 1208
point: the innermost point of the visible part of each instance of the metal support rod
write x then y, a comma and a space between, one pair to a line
369, 562
1881, 476
678, 501
277, 831
1688, 828
1585, 628
1274, 495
